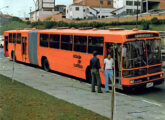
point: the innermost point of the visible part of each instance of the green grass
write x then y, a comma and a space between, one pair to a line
20, 102
13, 25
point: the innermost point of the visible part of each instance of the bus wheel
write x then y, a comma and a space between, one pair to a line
46, 65
88, 74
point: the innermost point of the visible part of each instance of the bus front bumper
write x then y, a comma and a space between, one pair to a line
143, 85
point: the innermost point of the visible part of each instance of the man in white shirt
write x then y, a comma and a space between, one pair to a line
108, 71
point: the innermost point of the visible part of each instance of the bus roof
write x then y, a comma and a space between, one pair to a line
87, 31
96, 31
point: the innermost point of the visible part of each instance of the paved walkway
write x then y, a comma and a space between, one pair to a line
76, 92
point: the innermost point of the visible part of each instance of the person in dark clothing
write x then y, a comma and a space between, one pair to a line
95, 66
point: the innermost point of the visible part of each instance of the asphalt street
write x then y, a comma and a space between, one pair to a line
156, 94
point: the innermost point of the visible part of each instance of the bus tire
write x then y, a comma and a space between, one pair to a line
45, 65
12, 56
88, 75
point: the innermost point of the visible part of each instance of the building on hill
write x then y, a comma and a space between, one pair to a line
127, 7
81, 12
95, 3
43, 8
90, 9
149, 5
61, 9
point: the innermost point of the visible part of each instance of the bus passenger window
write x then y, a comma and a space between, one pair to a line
10, 38
80, 43
54, 41
14, 37
44, 40
66, 42
95, 43
19, 38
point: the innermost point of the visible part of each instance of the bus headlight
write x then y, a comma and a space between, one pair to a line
135, 81
161, 75
132, 81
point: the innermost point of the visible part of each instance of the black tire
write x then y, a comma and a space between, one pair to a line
46, 65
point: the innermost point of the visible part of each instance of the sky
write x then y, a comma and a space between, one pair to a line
21, 8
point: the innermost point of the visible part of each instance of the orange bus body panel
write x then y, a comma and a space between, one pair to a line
66, 61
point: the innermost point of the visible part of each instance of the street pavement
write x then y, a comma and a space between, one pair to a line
148, 105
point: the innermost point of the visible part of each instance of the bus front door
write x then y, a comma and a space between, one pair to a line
110, 47
24, 49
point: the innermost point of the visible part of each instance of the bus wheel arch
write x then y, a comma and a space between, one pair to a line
88, 74
45, 63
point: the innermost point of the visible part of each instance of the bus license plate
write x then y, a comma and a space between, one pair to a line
148, 85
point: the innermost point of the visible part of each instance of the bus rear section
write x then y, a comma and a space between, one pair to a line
141, 61
6, 41
21, 45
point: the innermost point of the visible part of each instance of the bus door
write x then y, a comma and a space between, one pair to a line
6, 46
110, 47
24, 49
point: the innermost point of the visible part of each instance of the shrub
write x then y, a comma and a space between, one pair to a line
155, 20
15, 19
146, 26
48, 24
28, 22
62, 24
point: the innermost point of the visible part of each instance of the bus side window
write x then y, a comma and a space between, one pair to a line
54, 41
44, 40
80, 43
10, 37
95, 43
14, 37
66, 42
19, 38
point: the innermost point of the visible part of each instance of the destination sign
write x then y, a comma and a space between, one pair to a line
143, 35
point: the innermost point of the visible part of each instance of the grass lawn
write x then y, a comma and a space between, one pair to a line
13, 25
20, 102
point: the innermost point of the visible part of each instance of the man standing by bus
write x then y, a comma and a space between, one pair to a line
108, 71
95, 66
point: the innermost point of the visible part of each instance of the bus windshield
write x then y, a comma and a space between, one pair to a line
134, 54
154, 51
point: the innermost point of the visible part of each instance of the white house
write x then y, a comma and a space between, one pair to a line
74, 12
127, 7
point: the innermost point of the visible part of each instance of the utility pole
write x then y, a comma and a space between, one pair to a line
113, 87
146, 6
14, 60
137, 12
101, 1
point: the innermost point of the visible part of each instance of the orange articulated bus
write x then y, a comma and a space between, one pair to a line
137, 53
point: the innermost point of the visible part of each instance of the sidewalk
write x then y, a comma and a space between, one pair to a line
76, 92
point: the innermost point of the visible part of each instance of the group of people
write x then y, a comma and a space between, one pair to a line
107, 68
